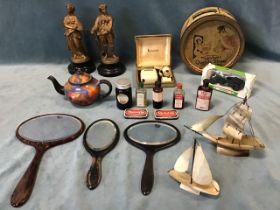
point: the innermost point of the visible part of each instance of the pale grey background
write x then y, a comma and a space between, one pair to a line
247, 183
32, 32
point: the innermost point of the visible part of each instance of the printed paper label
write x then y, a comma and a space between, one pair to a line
136, 113
166, 114
157, 97
178, 103
140, 99
203, 100
122, 98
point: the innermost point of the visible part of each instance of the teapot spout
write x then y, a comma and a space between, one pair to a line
59, 88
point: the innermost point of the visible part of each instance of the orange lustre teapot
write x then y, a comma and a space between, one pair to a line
81, 88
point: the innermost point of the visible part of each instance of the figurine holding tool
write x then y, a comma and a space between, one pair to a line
73, 35
103, 31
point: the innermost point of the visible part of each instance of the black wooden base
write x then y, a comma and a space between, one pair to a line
87, 67
111, 70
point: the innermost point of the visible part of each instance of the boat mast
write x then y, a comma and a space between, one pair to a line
194, 146
192, 130
245, 100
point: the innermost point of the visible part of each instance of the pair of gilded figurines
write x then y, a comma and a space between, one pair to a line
102, 30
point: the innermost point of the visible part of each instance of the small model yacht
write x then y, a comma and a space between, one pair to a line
235, 141
192, 171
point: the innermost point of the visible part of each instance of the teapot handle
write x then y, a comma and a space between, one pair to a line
106, 82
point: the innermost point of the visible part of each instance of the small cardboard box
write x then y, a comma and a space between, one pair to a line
153, 60
230, 81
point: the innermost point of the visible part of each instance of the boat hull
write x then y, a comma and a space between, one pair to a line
247, 142
185, 179
232, 152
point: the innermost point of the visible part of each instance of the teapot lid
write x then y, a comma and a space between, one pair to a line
80, 78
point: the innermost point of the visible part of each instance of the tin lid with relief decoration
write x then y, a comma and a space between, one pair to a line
211, 35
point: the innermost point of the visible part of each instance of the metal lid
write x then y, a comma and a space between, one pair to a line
179, 85
80, 78
123, 83
206, 82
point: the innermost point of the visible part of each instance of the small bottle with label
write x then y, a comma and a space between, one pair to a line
141, 95
178, 97
203, 98
123, 94
157, 95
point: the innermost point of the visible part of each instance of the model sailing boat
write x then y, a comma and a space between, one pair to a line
234, 141
198, 178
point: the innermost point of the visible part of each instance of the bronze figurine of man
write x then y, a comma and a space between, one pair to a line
103, 30
73, 35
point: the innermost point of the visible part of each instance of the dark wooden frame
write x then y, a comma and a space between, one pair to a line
95, 172
25, 186
147, 180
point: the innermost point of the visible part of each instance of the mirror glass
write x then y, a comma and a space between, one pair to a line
101, 134
49, 127
152, 133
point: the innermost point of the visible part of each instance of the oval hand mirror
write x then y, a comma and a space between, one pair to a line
151, 136
100, 138
43, 132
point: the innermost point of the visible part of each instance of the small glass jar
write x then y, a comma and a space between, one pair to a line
123, 94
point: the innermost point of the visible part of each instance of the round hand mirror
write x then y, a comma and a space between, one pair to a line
43, 132
100, 138
151, 136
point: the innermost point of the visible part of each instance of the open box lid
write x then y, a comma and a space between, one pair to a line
153, 50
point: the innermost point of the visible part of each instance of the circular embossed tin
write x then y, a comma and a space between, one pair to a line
211, 35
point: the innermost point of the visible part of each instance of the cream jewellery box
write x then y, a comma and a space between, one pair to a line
153, 60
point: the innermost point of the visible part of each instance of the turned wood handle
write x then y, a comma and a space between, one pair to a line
94, 174
24, 188
147, 181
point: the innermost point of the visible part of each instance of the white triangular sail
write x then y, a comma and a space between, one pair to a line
183, 161
233, 131
201, 172
236, 119
206, 123
245, 109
